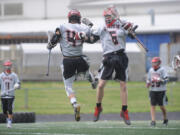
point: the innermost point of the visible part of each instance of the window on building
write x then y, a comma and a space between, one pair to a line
13, 9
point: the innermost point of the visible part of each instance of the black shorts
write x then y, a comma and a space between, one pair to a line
116, 61
158, 98
74, 66
7, 104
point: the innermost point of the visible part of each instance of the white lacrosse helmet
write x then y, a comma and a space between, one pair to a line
110, 14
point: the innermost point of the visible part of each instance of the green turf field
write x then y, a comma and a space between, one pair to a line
50, 97
91, 128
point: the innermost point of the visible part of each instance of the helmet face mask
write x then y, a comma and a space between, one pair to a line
74, 16
156, 61
155, 65
108, 19
7, 66
110, 14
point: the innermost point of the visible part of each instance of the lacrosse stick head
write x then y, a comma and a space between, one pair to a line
50, 35
7, 66
176, 62
156, 61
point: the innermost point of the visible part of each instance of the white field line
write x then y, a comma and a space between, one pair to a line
155, 128
19, 133
126, 127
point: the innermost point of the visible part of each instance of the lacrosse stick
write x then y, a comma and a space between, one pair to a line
176, 62
49, 34
171, 92
6, 92
49, 55
141, 45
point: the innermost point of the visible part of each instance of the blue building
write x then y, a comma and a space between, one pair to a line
152, 41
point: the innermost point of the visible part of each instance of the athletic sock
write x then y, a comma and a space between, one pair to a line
74, 104
98, 104
124, 107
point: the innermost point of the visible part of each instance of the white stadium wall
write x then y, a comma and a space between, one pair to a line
30, 61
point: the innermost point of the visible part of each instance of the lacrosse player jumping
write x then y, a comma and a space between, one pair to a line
156, 82
9, 82
71, 37
113, 38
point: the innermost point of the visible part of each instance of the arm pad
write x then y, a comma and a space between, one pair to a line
92, 39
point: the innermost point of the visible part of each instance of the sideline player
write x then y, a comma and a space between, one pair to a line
9, 82
113, 38
156, 82
71, 37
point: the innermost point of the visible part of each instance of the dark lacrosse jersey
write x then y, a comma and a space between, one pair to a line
159, 74
7, 82
112, 38
69, 45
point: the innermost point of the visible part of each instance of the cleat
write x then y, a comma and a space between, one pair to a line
77, 112
9, 124
125, 116
165, 122
97, 113
93, 80
153, 123
94, 83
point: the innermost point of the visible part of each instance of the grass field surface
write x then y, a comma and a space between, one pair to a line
91, 128
50, 97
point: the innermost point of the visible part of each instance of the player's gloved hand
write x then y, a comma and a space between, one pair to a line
5, 93
80, 36
53, 39
17, 86
148, 85
132, 32
156, 79
164, 80
87, 22
131, 35
127, 26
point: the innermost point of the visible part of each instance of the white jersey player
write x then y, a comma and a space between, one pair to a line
9, 82
157, 79
156, 82
113, 39
71, 37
